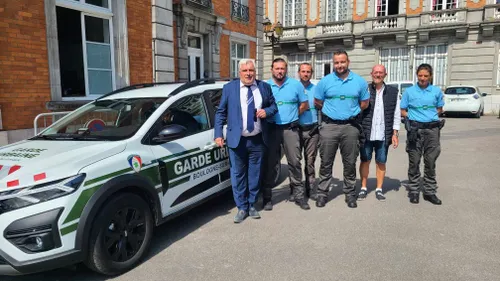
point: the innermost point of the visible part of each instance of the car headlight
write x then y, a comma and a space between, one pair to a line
19, 198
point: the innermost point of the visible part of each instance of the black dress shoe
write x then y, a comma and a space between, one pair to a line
321, 201
302, 204
414, 197
291, 198
433, 199
352, 204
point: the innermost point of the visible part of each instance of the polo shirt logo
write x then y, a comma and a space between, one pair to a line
425, 107
280, 103
342, 97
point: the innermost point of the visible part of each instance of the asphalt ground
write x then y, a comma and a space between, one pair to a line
391, 240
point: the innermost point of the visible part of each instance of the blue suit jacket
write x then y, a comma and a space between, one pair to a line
230, 110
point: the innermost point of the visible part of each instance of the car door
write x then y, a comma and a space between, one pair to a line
189, 165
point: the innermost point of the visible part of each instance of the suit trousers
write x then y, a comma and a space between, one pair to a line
333, 136
246, 162
427, 145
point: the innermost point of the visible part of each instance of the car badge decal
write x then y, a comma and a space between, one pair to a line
135, 162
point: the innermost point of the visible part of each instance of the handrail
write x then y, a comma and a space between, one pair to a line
35, 122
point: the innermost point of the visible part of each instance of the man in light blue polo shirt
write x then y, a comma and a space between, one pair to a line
291, 101
421, 104
309, 131
341, 96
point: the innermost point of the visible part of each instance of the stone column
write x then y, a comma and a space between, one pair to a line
163, 41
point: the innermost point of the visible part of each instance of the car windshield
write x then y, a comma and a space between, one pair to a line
460, 91
104, 120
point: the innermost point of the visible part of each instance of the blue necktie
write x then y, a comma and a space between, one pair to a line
250, 110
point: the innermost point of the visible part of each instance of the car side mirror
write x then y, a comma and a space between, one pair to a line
483, 94
170, 132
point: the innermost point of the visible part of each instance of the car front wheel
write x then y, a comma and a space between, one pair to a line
120, 236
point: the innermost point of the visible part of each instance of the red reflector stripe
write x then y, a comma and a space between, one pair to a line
14, 168
1, 167
13, 183
39, 177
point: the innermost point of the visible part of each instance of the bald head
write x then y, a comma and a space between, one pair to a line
379, 68
378, 75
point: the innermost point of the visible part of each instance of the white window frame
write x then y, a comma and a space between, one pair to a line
234, 61
294, 62
98, 12
379, 3
319, 61
443, 5
337, 11
433, 62
293, 13
197, 52
401, 54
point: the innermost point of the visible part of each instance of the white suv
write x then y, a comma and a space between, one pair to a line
91, 187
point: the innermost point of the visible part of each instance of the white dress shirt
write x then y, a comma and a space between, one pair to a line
257, 98
378, 120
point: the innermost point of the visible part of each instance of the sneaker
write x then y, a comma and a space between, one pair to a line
268, 206
252, 212
362, 194
240, 216
380, 196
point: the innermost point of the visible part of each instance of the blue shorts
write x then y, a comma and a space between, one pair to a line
381, 149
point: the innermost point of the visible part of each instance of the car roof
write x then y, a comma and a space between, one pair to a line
460, 86
163, 90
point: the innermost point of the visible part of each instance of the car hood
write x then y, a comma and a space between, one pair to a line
38, 161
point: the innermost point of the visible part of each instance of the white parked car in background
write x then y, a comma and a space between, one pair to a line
464, 99
401, 86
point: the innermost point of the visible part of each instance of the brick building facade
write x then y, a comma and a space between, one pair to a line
56, 55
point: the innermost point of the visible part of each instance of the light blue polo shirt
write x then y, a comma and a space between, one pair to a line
309, 116
422, 104
288, 98
341, 97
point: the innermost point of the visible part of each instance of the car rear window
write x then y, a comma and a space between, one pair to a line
460, 91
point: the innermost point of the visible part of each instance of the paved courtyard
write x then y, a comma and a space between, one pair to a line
392, 240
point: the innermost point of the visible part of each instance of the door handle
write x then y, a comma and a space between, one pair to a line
210, 146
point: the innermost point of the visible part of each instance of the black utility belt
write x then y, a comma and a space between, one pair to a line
307, 127
425, 125
289, 126
329, 120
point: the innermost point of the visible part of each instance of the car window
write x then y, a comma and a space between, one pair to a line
214, 97
106, 119
460, 91
189, 112
405, 86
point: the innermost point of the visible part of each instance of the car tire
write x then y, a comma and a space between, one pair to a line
478, 114
124, 220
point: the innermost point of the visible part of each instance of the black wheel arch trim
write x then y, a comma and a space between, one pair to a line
96, 202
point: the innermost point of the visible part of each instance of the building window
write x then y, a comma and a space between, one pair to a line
438, 5
336, 10
294, 12
294, 61
397, 63
85, 40
238, 51
323, 65
387, 8
436, 56
240, 10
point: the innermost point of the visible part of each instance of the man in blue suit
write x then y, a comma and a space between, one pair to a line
246, 104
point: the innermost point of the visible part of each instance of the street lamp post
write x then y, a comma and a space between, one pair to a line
273, 33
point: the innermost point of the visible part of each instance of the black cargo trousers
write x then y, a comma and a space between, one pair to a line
423, 139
